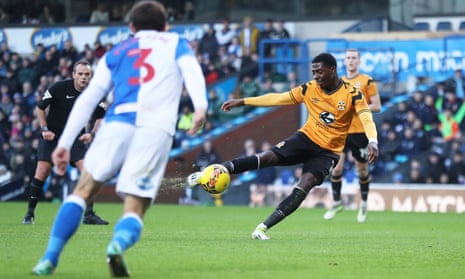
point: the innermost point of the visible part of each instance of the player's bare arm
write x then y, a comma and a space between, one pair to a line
229, 104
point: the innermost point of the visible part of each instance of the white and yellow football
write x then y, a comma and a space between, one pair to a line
215, 179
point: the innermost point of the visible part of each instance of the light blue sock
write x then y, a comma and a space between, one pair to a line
127, 231
66, 223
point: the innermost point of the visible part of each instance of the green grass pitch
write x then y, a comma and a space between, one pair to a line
214, 242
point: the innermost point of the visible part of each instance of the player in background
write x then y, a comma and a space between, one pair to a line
58, 100
147, 72
331, 103
357, 141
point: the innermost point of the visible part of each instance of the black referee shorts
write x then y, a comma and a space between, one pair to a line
45, 149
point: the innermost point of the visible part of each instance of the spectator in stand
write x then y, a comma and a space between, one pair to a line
100, 15
267, 87
237, 112
99, 50
455, 167
28, 97
249, 64
400, 115
27, 73
428, 113
234, 48
249, 87
69, 51
390, 147
226, 34
409, 145
249, 35
283, 50
434, 167
208, 44
457, 84
423, 138
47, 65
268, 33
46, 17
189, 11
449, 101
450, 123
4, 16
415, 173
214, 105
183, 126
417, 103
6, 104
213, 74
5, 127
281, 31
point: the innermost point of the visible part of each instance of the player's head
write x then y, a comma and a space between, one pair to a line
324, 70
352, 60
148, 15
82, 72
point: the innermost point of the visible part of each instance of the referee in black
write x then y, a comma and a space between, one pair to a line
59, 100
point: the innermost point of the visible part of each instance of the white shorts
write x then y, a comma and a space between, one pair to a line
138, 156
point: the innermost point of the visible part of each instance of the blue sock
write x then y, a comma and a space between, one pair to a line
66, 223
127, 231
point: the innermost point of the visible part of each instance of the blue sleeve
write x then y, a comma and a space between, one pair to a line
183, 48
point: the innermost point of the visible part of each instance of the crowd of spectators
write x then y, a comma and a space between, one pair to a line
427, 131
95, 12
25, 78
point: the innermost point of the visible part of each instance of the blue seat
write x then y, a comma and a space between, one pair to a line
444, 26
421, 26
462, 26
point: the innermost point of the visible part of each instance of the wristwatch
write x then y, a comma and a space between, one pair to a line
44, 128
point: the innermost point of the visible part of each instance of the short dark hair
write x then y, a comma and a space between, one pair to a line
80, 62
148, 15
326, 58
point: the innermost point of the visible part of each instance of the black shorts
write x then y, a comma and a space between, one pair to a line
299, 149
45, 149
358, 144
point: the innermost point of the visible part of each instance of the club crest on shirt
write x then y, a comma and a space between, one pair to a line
356, 84
341, 105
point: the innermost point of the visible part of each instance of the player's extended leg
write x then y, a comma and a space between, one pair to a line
336, 186
67, 222
364, 180
126, 233
36, 186
287, 206
241, 164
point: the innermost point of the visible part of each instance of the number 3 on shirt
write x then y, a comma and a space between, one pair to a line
140, 63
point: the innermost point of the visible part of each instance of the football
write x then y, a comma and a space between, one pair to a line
215, 179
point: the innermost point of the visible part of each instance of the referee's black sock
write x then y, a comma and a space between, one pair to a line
35, 190
89, 209
286, 207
